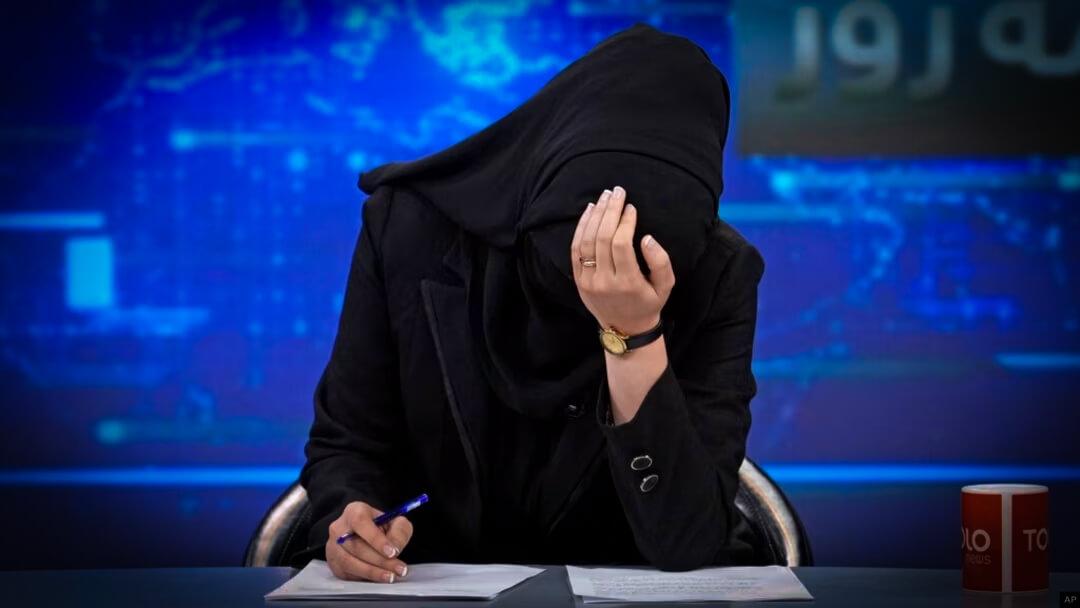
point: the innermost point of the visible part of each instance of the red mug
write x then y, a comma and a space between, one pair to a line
1006, 537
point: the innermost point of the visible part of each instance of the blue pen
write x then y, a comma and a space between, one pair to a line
391, 514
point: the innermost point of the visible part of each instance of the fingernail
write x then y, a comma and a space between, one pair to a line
647, 241
630, 207
389, 550
589, 207
606, 194
389, 576
402, 570
619, 190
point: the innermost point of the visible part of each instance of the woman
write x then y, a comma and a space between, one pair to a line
467, 363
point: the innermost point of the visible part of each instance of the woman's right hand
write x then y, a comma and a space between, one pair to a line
370, 553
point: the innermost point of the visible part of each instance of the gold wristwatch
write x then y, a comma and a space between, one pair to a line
619, 344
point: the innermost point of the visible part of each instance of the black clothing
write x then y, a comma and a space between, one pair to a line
403, 408
643, 109
466, 367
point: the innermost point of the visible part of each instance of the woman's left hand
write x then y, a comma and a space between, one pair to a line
614, 289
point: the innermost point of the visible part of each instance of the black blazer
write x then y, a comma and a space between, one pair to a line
403, 408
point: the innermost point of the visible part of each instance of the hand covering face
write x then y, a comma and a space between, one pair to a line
644, 110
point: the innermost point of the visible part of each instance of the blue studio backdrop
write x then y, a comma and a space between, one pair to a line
179, 209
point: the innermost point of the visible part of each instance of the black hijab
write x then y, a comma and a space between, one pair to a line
644, 110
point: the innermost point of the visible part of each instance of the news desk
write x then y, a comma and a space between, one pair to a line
245, 587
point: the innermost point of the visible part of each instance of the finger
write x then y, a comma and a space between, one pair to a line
622, 244
606, 230
348, 567
356, 560
361, 520
359, 549
661, 274
575, 244
399, 531
588, 237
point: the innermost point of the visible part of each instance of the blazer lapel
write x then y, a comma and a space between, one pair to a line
445, 308
579, 451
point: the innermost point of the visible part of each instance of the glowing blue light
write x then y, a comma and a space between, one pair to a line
783, 182
182, 139
320, 104
782, 473
111, 432
298, 160
89, 265
774, 213
153, 476
55, 220
356, 161
1044, 361
892, 473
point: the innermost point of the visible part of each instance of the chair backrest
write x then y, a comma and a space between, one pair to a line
283, 530
768, 509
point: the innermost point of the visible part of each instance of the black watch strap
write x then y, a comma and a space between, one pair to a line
644, 338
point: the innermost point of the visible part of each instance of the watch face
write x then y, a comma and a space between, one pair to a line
613, 343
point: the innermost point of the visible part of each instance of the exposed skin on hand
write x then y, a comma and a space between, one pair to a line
619, 296
371, 553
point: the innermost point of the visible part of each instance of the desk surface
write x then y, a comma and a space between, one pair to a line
240, 587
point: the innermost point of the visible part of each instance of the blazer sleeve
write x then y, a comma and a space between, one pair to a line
358, 418
675, 464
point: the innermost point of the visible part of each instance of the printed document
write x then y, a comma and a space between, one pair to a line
765, 583
429, 581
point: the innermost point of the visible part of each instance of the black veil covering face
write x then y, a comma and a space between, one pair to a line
643, 110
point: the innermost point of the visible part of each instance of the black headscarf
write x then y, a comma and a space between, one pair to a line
644, 110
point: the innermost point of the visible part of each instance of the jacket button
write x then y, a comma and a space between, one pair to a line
575, 411
640, 463
649, 482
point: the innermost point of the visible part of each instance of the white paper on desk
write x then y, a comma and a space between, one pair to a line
735, 584
456, 581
